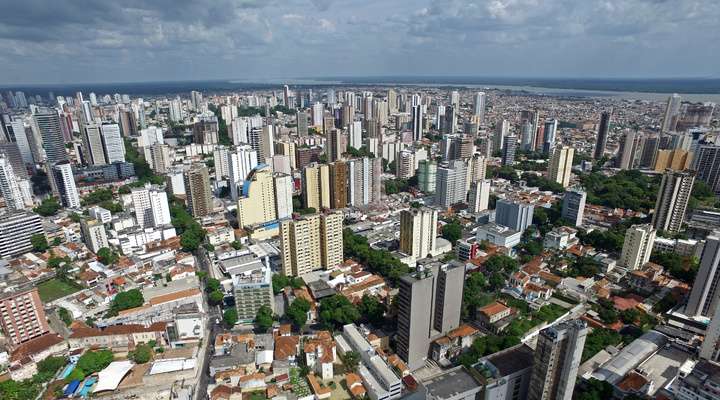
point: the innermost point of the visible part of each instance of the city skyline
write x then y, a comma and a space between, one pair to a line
101, 42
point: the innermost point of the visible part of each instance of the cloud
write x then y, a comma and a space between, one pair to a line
80, 40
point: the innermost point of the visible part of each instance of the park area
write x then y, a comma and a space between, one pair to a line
54, 289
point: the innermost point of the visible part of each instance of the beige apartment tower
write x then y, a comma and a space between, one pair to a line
316, 186
418, 232
311, 242
256, 204
557, 358
637, 246
672, 200
197, 189
560, 168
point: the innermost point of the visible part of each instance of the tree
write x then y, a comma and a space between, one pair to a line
142, 354
452, 232
65, 316
337, 311
94, 361
39, 243
107, 256
48, 207
498, 263
297, 312
230, 317
372, 309
279, 283
351, 360
236, 245
212, 285
126, 300
215, 297
264, 318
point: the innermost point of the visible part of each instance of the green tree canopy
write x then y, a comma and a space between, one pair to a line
336, 311
39, 243
264, 318
230, 317
297, 312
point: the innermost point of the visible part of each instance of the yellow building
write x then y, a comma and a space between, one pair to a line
311, 242
316, 186
676, 160
560, 168
256, 204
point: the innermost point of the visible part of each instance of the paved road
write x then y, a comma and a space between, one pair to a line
213, 313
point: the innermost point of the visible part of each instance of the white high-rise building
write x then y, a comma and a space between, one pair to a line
479, 195
240, 162
672, 113
150, 136
450, 184
239, 128
65, 182
94, 234
21, 132
151, 207
704, 296
283, 195
418, 232
318, 111
637, 246
9, 187
479, 105
112, 143
501, 130
356, 134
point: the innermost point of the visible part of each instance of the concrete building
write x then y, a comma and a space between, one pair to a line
602, 135
158, 157
16, 229
252, 286
283, 195
418, 232
672, 200
560, 168
93, 152
450, 186
405, 164
557, 358
316, 186
498, 235
94, 235
678, 160
429, 304
479, 196
338, 184
506, 374
513, 214
509, 149
707, 165
112, 141
197, 189
205, 131
311, 242
48, 123
704, 295
65, 181
637, 246
701, 383
427, 176
151, 206
256, 204
573, 208
22, 316
630, 150
9, 186
241, 161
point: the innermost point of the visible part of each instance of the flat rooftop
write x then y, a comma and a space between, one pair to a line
513, 360
450, 384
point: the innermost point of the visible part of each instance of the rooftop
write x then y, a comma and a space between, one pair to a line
451, 384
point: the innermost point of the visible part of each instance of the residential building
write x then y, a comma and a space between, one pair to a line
94, 235
9, 186
241, 161
311, 242
418, 232
506, 374
93, 152
22, 316
113, 146
556, 361
48, 123
256, 204
678, 160
637, 246
573, 208
65, 181
498, 235
338, 184
602, 135
427, 175
151, 206
701, 383
479, 196
283, 195
450, 186
509, 149
672, 200
16, 229
158, 157
197, 189
560, 168
205, 131
252, 286
316, 186
513, 214
707, 165
704, 295
429, 304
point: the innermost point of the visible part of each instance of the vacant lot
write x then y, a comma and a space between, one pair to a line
55, 289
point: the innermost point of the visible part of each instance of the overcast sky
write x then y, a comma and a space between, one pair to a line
69, 41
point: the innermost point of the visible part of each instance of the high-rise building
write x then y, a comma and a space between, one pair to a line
694, 115
151, 206
9, 186
677, 160
25, 141
427, 175
316, 186
513, 214
479, 196
429, 304
336, 145
338, 184
549, 136
48, 122
94, 235
710, 349
266, 145
311, 242
707, 165
479, 105
16, 229
509, 149
704, 296
256, 204
158, 157
602, 135
283, 195
557, 358
405, 164
501, 130
573, 208
560, 168
672, 200
113, 145
22, 316
197, 189
240, 162
63, 175
418, 232
252, 288
629, 152
417, 122
637, 246
450, 187
301, 118
205, 131
93, 151
672, 112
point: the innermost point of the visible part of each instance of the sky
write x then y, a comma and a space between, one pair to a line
82, 41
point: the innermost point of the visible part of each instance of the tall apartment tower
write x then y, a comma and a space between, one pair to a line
151, 206
514, 214
501, 130
573, 208
16, 229
429, 304
479, 105
560, 168
9, 187
707, 165
158, 157
427, 176
550, 135
316, 186
311, 242
509, 149
256, 204
637, 246
418, 232
630, 145
113, 145
703, 300
602, 135
479, 195
338, 184
710, 349
22, 316
63, 174
94, 234
283, 195
557, 358
672, 113
48, 122
450, 185
672, 200
93, 145
417, 122
197, 189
